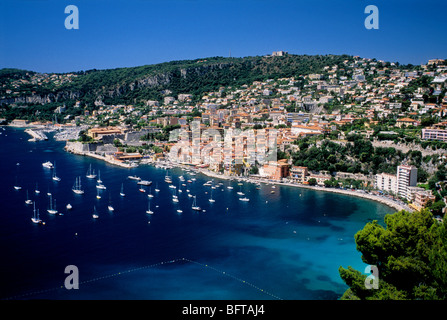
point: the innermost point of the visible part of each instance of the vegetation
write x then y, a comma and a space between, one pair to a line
411, 256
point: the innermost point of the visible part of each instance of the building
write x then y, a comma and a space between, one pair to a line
406, 177
422, 198
98, 133
276, 170
386, 182
405, 122
279, 53
298, 174
434, 134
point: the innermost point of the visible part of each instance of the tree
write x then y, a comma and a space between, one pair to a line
411, 256
312, 181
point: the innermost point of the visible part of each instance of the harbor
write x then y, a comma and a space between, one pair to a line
147, 228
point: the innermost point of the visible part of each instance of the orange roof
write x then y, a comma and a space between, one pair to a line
406, 120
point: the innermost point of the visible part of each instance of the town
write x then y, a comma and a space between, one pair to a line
364, 124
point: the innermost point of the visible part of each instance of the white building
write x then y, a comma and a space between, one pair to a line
406, 177
386, 182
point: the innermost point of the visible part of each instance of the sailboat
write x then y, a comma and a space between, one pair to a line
35, 217
149, 211
174, 197
211, 197
97, 194
195, 206
28, 201
55, 177
95, 213
36, 191
91, 174
122, 194
110, 207
156, 187
77, 186
17, 186
240, 191
52, 210
99, 177
168, 177
150, 195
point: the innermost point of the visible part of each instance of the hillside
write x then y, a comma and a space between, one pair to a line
137, 85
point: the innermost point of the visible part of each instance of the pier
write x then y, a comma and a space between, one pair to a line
36, 135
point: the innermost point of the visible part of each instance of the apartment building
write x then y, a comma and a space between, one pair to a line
386, 182
434, 134
406, 177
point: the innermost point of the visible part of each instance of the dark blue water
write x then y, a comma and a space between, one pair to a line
285, 245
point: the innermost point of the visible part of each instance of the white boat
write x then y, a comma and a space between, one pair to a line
174, 197
156, 188
134, 178
90, 174
17, 186
149, 211
111, 208
48, 165
240, 190
97, 194
144, 182
69, 207
99, 177
168, 177
179, 211
244, 199
95, 213
195, 206
52, 210
35, 217
172, 186
150, 195
28, 201
101, 186
211, 197
230, 187
55, 177
36, 191
122, 194
77, 186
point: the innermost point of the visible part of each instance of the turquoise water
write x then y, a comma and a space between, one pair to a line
286, 245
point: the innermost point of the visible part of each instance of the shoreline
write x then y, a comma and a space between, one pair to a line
386, 201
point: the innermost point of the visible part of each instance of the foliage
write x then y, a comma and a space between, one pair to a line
410, 253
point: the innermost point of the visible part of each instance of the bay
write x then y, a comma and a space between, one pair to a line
283, 245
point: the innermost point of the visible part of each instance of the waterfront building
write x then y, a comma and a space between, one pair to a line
298, 174
386, 182
406, 177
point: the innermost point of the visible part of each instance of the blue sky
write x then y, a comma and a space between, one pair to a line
119, 33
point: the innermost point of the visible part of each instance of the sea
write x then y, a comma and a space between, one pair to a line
284, 245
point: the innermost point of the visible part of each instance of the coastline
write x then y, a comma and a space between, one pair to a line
388, 202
